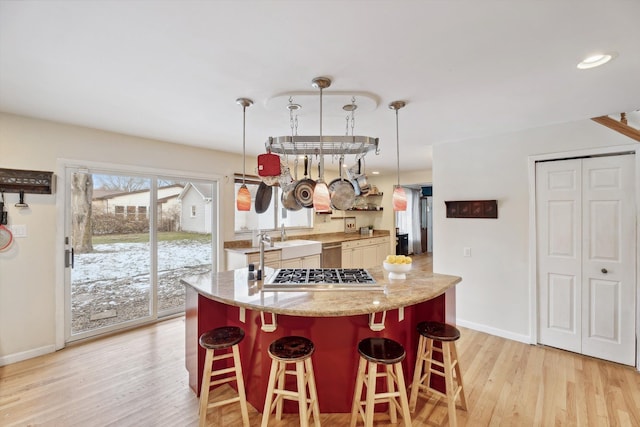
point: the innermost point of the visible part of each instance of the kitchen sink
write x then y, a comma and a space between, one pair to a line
298, 248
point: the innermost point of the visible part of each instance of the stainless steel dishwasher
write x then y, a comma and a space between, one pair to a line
332, 255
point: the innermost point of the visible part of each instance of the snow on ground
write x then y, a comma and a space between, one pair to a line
112, 284
119, 260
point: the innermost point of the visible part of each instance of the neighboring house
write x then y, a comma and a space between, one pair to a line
196, 207
135, 204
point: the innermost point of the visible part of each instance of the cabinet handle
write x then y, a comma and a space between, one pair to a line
604, 271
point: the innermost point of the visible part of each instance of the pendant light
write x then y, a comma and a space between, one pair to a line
321, 198
243, 200
399, 196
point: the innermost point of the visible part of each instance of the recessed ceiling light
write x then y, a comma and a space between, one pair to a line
595, 61
375, 173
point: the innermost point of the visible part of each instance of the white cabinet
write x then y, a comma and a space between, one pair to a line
364, 253
240, 260
309, 261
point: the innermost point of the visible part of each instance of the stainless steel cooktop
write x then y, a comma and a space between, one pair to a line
316, 279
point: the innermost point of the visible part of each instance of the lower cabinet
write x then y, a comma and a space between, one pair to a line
239, 260
365, 253
310, 261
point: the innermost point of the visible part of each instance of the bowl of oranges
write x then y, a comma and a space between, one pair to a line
397, 266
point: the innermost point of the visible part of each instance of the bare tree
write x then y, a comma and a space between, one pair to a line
81, 196
122, 183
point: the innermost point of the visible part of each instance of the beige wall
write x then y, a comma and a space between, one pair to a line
31, 284
28, 275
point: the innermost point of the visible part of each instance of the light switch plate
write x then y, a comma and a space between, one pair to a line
19, 230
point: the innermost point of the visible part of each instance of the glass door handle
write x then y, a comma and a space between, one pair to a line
68, 258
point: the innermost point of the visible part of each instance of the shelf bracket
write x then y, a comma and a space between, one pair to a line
377, 326
269, 327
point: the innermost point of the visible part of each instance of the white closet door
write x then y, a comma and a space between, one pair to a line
558, 204
586, 256
608, 279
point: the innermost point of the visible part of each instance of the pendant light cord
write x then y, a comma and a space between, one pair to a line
244, 163
397, 148
321, 177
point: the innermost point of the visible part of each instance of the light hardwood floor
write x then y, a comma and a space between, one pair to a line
138, 378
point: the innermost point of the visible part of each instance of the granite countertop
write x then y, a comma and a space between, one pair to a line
233, 288
242, 246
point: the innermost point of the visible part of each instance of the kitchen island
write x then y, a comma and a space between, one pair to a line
335, 320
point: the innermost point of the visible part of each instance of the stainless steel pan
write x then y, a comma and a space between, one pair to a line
303, 190
360, 181
342, 193
288, 197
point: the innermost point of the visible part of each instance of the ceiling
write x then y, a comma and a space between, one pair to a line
172, 70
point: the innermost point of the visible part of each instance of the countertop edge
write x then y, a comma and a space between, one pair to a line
368, 309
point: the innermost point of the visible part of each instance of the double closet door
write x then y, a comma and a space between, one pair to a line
586, 232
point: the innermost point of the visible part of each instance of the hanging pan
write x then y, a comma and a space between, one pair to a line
303, 190
342, 193
288, 197
6, 238
359, 180
263, 198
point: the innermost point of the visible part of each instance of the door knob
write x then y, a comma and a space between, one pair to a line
604, 271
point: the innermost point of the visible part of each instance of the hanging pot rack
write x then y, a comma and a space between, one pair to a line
323, 144
331, 145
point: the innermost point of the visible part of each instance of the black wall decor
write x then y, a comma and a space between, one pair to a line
472, 209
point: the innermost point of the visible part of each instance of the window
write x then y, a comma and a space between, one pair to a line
193, 211
274, 216
119, 210
142, 212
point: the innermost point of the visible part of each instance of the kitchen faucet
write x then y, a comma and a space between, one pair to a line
263, 237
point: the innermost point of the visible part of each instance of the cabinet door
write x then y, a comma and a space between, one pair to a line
347, 257
357, 259
311, 261
369, 256
382, 250
291, 263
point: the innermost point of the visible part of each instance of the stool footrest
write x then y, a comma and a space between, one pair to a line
223, 381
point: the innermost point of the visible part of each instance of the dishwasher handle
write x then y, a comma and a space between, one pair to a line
332, 247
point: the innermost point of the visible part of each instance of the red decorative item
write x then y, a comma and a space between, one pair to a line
268, 164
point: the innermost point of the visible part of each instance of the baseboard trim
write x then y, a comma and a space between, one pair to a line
19, 357
494, 331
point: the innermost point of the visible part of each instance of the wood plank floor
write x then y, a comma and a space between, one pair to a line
138, 378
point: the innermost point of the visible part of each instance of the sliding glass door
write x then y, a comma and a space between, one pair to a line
129, 240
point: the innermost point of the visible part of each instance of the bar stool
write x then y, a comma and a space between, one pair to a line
219, 339
447, 335
286, 351
375, 352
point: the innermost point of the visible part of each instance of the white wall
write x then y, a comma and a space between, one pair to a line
494, 294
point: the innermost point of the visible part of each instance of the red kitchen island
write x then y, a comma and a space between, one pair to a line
335, 320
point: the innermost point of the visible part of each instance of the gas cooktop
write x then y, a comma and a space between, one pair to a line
312, 279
